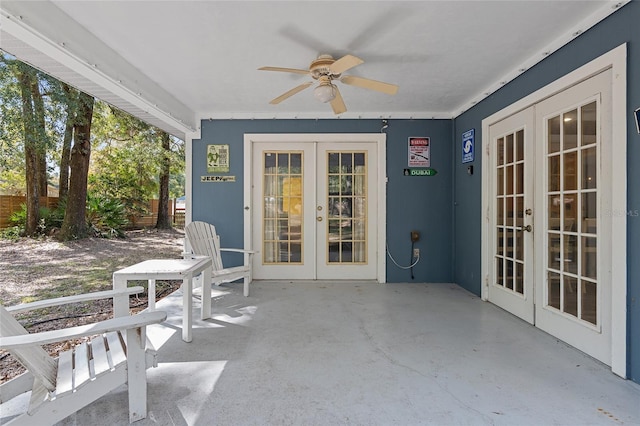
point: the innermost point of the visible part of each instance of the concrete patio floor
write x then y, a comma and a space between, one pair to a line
360, 353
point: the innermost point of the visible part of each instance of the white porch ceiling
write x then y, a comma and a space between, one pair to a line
172, 63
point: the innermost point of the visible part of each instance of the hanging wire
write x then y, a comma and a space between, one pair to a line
400, 266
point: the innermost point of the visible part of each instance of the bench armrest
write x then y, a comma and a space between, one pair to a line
238, 250
25, 307
115, 324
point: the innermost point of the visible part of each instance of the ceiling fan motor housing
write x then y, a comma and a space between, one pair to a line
320, 67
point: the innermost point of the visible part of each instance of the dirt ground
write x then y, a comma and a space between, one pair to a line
40, 269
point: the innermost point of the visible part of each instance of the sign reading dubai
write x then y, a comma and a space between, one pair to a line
419, 152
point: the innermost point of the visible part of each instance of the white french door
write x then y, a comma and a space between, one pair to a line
575, 159
550, 183
315, 210
513, 165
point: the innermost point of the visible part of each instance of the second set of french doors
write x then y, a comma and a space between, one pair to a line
549, 235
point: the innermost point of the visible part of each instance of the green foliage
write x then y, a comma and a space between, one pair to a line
49, 219
106, 216
11, 233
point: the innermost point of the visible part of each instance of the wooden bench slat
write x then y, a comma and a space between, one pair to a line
64, 381
81, 365
116, 349
39, 395
100, 358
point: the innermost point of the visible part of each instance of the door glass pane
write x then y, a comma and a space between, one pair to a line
589, 259
570, 252
520, 145
570, 129
572, 197
554, 251
519, 278
554, 212
589, 301
509, 177
553, 137
570, 212
553, 290
282, 208
508, 141
554, 173
589, 172
588, 117
508, 278
500, 211
570, 172
589, 215
571, 296
510, 213
346, 205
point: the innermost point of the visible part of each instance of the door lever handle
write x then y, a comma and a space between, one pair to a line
524, 228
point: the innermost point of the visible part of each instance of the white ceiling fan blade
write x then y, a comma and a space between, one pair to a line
292, 70
337, 104
345, 63
291, 93
366, 83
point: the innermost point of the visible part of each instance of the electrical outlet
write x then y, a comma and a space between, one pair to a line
416, 253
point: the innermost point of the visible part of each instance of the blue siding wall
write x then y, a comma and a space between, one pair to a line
617, 29
413, 203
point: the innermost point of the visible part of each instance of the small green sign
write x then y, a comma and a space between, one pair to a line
420, 172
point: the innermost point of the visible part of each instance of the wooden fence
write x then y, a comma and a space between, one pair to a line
12, 203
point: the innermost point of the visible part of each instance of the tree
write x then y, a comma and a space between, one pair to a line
164, 221
71, 96
39, 134
74, 225
26, 76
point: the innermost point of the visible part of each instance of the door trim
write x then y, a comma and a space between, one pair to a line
380, 139
615, 59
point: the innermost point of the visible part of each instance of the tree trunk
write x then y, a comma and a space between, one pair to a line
74, 225
65, 156
164, 221
25, 76
41, 134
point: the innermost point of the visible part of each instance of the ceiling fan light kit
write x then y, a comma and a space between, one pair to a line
325, 69
325, 92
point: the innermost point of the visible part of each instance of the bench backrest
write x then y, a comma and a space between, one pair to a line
204, 241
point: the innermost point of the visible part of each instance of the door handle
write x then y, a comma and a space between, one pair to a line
524, 228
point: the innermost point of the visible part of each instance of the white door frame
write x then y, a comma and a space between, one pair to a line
380, 139
615, 59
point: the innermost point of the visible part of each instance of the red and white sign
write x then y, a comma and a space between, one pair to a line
419, 152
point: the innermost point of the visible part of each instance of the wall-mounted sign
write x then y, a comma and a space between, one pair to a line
468, 140
420, 172
217, 178
419, 152
218, 158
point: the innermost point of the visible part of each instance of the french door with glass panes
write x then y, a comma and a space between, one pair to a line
317, 210
549, 164
513, 168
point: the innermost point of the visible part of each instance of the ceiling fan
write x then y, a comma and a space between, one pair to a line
325, 69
